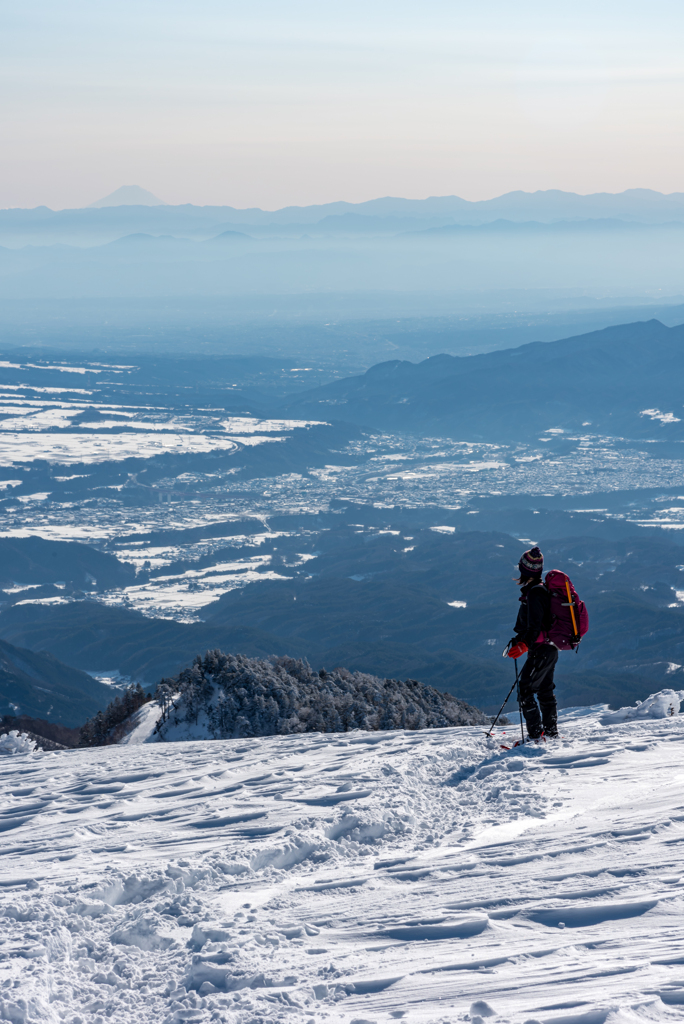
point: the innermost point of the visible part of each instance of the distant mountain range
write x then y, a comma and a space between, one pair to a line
640, 204
131, 209
627, 245
623, 381
155, 258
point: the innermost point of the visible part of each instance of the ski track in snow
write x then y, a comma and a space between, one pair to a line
348, 878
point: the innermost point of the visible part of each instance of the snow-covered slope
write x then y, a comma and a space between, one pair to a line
349, 878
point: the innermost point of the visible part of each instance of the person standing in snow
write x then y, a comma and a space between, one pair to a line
536, 678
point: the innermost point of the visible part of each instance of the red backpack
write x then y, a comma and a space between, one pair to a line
569, 616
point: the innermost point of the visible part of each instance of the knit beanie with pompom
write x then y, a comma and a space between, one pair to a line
531, 564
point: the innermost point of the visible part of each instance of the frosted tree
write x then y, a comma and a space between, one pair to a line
105, 726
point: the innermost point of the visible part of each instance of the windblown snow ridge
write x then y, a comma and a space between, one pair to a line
227, 696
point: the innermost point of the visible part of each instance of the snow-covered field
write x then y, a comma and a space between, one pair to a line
66, 443
410, 474
348, 878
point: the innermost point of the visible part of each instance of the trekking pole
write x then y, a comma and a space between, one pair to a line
517, 683
488, 734
576, 637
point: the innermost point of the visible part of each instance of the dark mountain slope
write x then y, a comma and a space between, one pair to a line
91, 634
32, 560
38, 685
604, 380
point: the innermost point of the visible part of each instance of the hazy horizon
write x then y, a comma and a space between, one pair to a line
258, 106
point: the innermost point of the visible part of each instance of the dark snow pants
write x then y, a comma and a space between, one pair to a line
536, 679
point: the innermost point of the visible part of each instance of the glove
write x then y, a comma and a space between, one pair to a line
517, 650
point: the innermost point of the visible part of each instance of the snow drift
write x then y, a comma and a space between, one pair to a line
427, 877
15, 742
227, 696
663, 704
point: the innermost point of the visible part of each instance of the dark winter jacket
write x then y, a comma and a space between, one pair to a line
534, 614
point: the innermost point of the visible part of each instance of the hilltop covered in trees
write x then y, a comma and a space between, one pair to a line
225, 696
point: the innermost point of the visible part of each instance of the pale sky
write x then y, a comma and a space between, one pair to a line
276, 102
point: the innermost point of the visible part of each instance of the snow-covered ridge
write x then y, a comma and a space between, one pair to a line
342, 878
230, 696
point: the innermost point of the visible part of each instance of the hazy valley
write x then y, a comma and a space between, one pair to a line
158, 508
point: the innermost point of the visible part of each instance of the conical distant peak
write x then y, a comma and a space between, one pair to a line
128, 195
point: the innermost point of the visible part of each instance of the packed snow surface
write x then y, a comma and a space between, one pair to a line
423, 876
